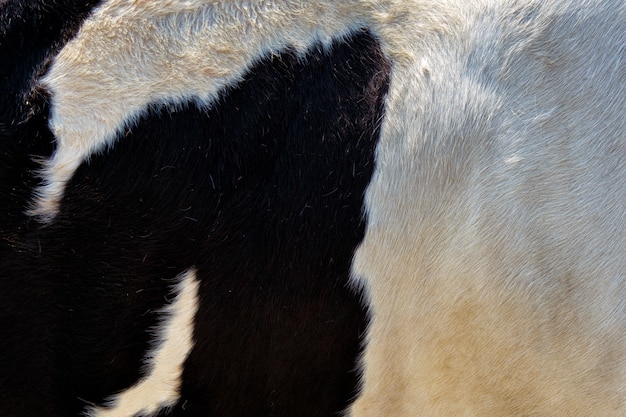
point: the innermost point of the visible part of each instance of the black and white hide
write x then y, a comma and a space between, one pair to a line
360, 208
202, 262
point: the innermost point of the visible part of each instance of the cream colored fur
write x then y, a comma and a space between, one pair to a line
495, 252
160, 387
132, 54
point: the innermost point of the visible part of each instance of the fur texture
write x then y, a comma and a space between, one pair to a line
495, 249
494, 254
262, 193
160, 387
166, 52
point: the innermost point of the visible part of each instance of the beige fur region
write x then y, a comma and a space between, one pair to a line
495, 252
160, 387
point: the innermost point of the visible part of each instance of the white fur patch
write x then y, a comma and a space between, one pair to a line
132, 54
495, 251
159, 388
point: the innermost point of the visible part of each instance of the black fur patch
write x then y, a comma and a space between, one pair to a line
263, 194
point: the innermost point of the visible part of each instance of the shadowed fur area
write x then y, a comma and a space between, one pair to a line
262, 193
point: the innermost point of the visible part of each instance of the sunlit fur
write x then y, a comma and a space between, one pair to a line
164, 52
495, 254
